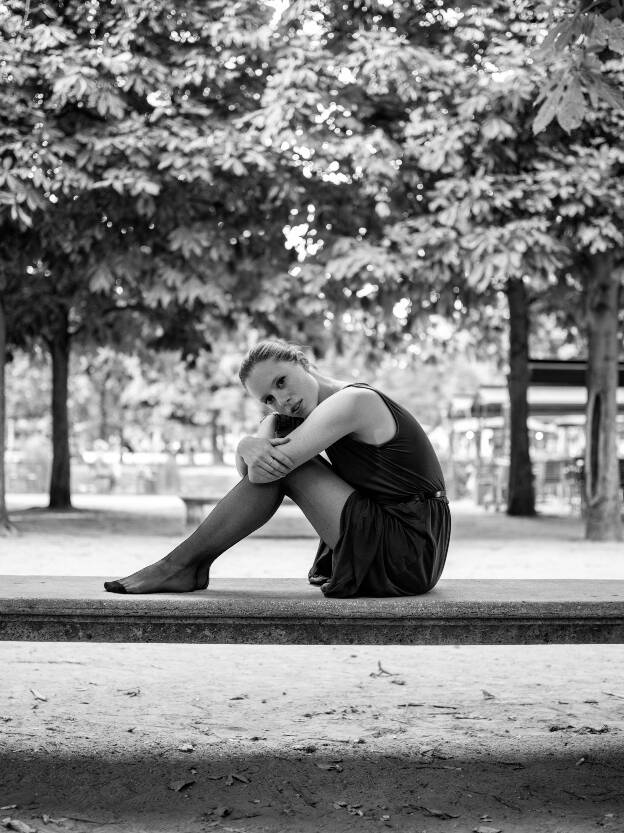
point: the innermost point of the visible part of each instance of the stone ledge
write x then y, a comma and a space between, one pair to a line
290, 611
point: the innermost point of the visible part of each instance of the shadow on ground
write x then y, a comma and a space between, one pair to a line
81, 521
304, 791
164, 515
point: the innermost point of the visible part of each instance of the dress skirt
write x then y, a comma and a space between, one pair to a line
385, 549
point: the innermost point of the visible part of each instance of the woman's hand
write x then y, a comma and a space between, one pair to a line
265, 460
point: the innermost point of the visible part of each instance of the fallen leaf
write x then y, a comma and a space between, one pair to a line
469, 717
222, 812
487, 695
178, 786
590, 730
240, 697
398, 682
186, 747
18, 826
234, 776
482, 828
352, 809
329, 767
38, 696
580, 761
439, 814
382, 672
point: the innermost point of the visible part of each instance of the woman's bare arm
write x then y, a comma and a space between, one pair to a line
241, 465
266, 429
337, 416
260, 456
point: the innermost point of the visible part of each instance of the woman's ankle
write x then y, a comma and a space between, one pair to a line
183, 556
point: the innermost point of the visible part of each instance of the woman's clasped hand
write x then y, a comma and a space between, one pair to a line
265, 460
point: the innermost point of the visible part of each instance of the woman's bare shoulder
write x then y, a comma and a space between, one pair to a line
365, 402
373, 420
357, 394
345, 404
350, 395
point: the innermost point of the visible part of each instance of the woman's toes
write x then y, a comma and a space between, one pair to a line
114, 587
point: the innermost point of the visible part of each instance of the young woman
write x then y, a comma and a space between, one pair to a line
379, 505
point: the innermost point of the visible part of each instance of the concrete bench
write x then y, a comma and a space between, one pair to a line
290, 611
197, 507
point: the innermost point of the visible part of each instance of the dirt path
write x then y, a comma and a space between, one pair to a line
244, 738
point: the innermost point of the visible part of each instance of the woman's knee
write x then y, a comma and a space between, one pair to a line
305, 473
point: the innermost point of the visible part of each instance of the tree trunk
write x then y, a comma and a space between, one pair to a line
217, 452
103, 428
60, 492
5, 524
603, 518
521, 494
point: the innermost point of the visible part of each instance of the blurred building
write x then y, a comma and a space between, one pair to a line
479, 434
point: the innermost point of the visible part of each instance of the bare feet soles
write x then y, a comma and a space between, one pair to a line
163, 577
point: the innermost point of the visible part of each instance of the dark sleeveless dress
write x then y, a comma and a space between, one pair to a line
394, 532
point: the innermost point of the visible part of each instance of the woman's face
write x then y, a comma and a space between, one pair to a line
284, 387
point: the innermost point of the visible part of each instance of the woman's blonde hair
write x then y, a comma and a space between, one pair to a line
280, 351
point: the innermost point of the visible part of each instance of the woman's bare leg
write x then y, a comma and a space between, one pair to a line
321, 494
314, 487
244, 509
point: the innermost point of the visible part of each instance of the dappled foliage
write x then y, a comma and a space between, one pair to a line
314, 169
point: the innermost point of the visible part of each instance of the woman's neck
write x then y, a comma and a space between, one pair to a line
327, 385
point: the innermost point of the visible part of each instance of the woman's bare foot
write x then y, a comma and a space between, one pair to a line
164, 576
